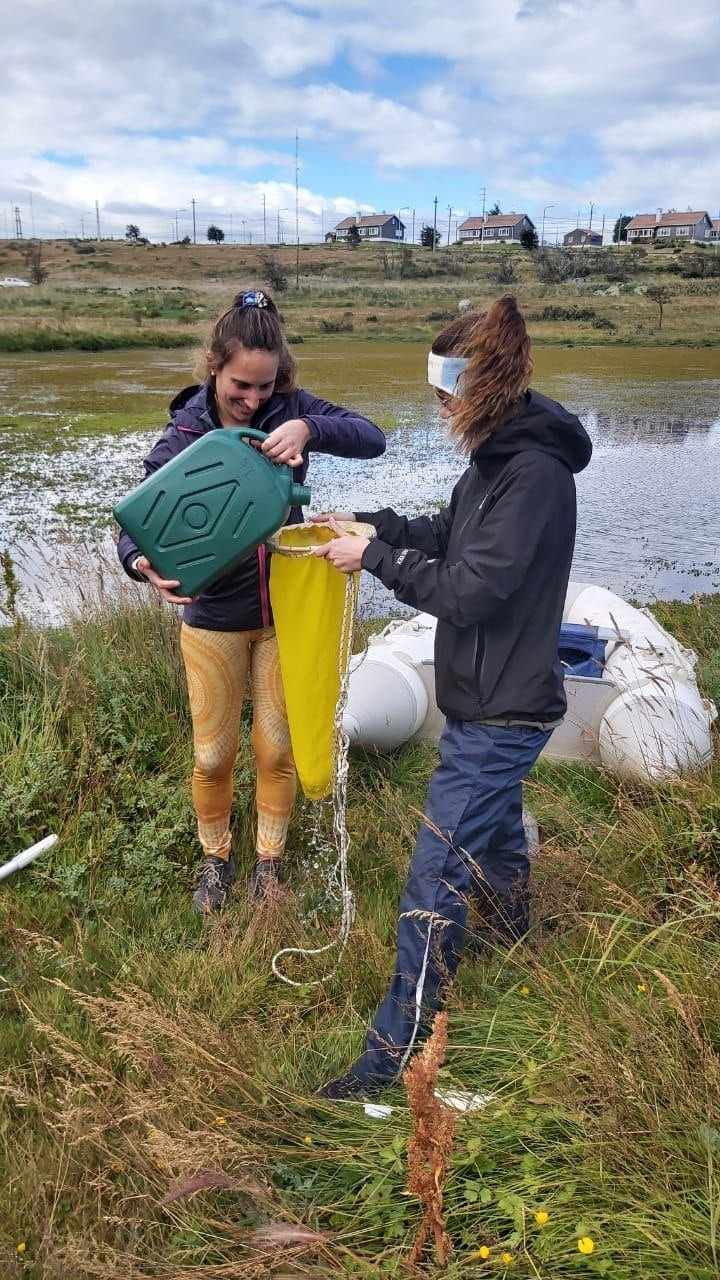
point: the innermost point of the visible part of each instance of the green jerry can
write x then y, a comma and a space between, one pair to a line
217, 501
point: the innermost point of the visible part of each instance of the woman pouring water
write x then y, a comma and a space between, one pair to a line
493, 568
227, 638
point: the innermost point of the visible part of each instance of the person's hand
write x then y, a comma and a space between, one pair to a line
346, 551
286, 442
163, 586
324, 517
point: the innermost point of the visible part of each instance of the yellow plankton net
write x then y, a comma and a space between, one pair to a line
313, 605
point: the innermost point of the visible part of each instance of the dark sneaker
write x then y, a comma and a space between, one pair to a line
216, 879
351, 1086
265, 879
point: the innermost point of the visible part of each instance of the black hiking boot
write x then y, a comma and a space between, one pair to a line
351, 1086
216, 879
265, 879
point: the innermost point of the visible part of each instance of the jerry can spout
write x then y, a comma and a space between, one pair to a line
299, 495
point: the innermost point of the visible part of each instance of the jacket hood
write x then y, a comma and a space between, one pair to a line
541, 424
194, 405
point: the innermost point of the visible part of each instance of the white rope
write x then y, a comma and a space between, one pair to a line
339, 875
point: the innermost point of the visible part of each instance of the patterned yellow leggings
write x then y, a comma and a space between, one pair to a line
219, 666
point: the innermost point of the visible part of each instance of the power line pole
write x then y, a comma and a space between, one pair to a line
449, 224
82, 226
18, 222
32, 217
278, 226
194, 227
97, 220
602, 233
482, 224
264, 221
231, 229
434, 224
297, 215
592, 206
412, 237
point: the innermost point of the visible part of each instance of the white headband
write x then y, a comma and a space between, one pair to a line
445, 372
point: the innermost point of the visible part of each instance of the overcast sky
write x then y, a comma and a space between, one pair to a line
145, 105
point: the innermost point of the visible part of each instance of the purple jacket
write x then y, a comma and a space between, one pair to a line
240, 601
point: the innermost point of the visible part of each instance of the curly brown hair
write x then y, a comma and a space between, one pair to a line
500, 364
257, 328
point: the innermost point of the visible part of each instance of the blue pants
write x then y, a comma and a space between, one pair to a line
472, 844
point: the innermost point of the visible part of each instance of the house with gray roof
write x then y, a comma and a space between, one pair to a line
715, 233
373, 226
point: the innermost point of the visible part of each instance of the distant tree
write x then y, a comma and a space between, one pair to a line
185, 240
215, 234
492, 213
273, 273
330, 237
429, 239
529, 239
34, 262
620, 229
353, 236
132, 233
658, 294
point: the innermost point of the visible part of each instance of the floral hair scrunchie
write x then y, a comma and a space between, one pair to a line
253, 298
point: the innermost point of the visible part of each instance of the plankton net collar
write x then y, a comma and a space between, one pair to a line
445, 371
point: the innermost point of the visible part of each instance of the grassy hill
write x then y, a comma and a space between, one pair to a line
110, 293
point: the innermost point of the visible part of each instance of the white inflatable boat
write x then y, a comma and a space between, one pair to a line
633, 701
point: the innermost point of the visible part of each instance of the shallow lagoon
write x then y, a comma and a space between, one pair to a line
74, 428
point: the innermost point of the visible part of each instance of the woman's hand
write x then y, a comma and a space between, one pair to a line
325, 517
286, 442
163, 586
345, 551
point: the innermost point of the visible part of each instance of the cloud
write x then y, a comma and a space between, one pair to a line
547, 100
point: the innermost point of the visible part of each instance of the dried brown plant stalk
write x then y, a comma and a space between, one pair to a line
430, 1147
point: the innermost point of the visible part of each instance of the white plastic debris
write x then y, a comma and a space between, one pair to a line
28, 855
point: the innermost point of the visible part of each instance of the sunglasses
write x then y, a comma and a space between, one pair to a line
443, 396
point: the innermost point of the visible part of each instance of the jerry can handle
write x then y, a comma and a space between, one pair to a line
251, 431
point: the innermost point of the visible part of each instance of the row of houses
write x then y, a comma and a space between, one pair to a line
508, 227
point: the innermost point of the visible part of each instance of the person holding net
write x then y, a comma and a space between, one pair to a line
493, 568
227, 638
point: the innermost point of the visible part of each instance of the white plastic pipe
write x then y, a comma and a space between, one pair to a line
28, 855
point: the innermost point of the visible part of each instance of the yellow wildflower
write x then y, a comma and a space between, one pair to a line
524, 991
220, 1120
586, 1244
308, 1140
506, 1258
541, 1217
21, 1247
482, 1254
641, 988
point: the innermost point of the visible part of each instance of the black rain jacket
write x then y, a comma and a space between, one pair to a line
493, 567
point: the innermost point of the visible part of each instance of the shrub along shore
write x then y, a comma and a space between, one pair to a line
158, 1117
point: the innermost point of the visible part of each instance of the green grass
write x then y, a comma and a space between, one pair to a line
139, 1047
70, 340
